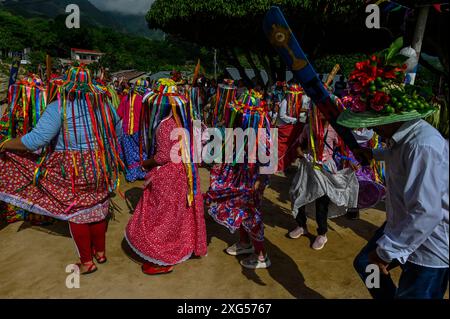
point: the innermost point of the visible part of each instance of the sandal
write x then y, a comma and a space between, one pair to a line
100, 259
91, 269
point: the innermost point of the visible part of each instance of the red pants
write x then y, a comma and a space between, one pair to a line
287, 144
245, 238
88, 237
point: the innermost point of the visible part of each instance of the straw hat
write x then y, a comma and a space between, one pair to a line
378, 95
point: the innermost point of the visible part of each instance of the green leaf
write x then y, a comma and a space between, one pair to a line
399, 59
395, 48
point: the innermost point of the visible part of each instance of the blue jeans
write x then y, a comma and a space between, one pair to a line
416, 282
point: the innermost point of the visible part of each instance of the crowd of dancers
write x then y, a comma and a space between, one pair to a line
65, 144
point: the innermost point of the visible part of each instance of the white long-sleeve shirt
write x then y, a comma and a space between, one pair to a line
283, 118
417, 201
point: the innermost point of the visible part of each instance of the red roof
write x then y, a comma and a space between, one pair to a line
85, 51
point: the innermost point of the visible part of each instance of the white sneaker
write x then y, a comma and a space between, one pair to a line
320, 242
237, 249
297, 232
254, 262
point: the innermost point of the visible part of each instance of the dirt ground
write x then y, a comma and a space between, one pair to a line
33, 260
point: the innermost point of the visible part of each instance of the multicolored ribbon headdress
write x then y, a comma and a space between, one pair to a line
27, 100
115, 99
226, 94
134, 99
141, 86
294, 100
249, 112
164, 101
98, 116
196, 101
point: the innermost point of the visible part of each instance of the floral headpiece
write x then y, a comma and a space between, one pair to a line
378, 94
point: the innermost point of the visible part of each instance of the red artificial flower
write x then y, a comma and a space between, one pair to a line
379, 101
354, 103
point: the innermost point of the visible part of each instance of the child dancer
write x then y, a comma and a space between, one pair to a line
318, 178
130, 112
236, 190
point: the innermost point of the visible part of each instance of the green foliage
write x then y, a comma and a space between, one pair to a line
222, 23
347, 62
122, 51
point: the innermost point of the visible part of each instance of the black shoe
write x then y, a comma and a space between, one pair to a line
353, 213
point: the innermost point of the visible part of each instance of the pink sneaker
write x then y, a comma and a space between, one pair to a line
320, 242
297, 232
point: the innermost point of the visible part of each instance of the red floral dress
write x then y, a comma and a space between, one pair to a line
62, 192
164, 229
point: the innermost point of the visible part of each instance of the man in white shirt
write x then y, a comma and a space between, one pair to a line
416, 233
290, 122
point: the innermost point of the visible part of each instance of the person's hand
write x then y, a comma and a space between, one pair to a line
376, 260
363, 155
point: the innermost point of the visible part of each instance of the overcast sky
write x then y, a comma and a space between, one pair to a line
125, 6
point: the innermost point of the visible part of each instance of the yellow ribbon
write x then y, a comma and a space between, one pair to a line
311, 136
74, 165
131, 115
2, 144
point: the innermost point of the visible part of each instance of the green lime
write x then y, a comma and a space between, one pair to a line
398, 105
372, 88
394, 99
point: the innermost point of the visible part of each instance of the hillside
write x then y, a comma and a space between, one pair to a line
132, 24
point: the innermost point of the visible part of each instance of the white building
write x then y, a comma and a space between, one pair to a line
85, 56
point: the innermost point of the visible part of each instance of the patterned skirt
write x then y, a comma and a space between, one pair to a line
232, 201
163, 229
67, 190
131, 157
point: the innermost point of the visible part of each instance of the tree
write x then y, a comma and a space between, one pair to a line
235, 27
322, 26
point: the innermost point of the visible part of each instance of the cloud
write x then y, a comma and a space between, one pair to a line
125, 6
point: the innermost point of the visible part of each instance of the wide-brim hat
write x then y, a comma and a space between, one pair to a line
378, 95
372, 119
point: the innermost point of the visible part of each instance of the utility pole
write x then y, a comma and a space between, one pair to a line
419, 31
